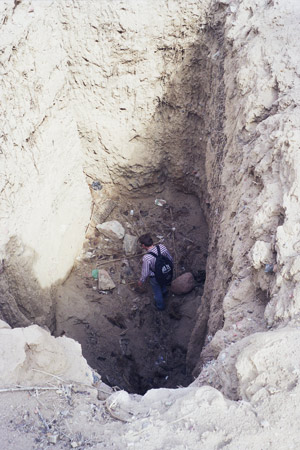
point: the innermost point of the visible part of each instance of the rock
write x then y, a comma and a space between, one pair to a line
4, 324
52, 438
112, 229
105, 283
58, 356
183, 284
130, 244
103, 210
261, 254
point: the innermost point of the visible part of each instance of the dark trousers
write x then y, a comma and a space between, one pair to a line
159, 292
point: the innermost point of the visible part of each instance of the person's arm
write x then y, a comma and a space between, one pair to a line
145, 271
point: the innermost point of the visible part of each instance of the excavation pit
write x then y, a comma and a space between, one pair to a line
124, 338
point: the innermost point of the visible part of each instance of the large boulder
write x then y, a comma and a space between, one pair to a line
183, 284
112, 229
32, 356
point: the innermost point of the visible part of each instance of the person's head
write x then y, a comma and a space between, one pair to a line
146, 240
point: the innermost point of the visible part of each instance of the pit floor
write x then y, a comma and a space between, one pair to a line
124, 338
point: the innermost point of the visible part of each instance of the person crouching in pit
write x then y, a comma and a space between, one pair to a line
158, 266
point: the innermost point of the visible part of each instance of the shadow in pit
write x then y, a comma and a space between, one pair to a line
187, 137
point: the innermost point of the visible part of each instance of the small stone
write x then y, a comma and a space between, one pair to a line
105, 283
183, 284
112, 229
130, 244
52, 438
74, 444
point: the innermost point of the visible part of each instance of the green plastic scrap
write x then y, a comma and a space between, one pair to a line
95, 273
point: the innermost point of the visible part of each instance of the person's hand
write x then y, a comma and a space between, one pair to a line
140, 284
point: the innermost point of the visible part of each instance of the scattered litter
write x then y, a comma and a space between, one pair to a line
160, 202
131, 212
96, 185
269, 268
160, 360
95, 274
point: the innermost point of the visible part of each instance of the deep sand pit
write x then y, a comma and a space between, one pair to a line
192, 102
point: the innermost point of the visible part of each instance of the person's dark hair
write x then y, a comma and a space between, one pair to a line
146, 239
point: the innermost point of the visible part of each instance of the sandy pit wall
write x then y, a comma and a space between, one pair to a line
113, 94
257, 212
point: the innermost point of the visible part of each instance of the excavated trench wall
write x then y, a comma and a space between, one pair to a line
135, 95
117, 94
